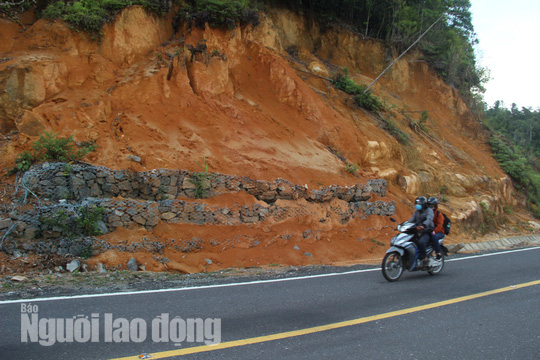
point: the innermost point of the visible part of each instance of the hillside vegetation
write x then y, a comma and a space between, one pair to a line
516, 145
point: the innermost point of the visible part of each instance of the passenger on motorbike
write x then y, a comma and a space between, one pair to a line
424, 217
438, 220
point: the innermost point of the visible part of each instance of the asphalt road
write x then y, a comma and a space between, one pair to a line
479, 307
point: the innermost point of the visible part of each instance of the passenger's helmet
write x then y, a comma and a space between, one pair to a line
421, 200
432, 202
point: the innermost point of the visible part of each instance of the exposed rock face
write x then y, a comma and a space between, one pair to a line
134, 33
20, 88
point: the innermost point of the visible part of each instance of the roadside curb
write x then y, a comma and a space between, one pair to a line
511, 242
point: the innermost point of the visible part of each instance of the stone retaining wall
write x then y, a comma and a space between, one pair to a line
67, 194
56, 181
64, 220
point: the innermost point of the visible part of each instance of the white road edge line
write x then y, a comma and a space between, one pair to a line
493, 254
142, 292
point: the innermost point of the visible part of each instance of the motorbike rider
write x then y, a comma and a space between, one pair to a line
438, 220
424, 217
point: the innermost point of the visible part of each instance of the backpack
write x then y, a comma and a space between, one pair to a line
446, 224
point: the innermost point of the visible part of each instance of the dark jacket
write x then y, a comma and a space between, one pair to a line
423, 217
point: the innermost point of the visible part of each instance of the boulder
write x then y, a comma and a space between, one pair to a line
30, 123
318, 69
132, 264
73, 266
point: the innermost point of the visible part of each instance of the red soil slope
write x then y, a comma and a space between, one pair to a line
246, 109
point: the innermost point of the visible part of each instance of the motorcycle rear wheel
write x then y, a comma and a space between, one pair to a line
437, 269
392, 266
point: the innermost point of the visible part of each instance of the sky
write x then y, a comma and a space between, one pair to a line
509, 35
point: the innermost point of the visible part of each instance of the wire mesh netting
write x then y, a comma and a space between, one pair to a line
68, 205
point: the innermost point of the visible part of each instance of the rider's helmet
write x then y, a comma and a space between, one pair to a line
432, 202
420, 203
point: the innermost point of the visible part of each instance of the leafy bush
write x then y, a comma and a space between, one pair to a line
59, 219
91, 15
369, 102
201, 180
49, 147
23, 161
221, 13
424, 115
362, 99
393, 129
352, 168
87, 223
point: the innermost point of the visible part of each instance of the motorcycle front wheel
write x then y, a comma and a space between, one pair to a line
392, 266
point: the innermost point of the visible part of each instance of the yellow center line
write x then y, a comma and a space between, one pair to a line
316, 329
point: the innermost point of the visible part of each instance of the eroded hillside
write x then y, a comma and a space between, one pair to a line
254, 103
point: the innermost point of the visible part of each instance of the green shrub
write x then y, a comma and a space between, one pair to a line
23, 161
201, 180
49, 147
368, 101
91, 15
352, 168
343, 82
86, 252
85, 148
59, 219
362, 98
392, 128
87, 223
221, 13
424, 115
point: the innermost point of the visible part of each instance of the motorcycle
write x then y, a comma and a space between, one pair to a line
403, 254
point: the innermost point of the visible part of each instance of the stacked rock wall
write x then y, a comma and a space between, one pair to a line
77, 202
56, 181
